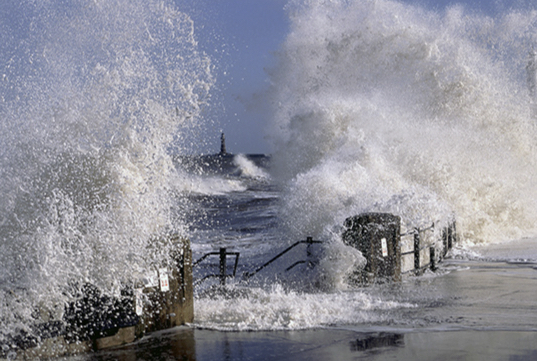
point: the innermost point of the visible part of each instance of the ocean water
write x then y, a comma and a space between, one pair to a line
479, 287
379, 106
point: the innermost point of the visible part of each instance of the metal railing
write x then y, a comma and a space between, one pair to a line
309, 241
448, 238
223, 265
222, 275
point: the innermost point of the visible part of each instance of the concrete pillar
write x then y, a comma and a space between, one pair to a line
377, 237
173, 305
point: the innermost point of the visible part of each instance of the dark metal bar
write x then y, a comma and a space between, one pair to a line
445, 242
222, 275
237, 255
454, 231
418, 230
204, 257
294, 264
223, 266
308, 241
450, 237
223, 261
417, 249
412, 252
428, 228
432, 258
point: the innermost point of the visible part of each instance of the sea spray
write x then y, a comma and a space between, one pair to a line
387, 107
278, 308
248, 169
93, 94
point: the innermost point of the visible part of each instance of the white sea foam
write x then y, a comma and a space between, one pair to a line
248, 169
385, 106
189, 183
280, 309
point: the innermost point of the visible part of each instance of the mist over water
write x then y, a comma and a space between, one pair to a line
385, 106
93, 95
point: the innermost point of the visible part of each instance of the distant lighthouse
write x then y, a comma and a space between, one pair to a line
223, 144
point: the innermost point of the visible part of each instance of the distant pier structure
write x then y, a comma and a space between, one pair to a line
223, 144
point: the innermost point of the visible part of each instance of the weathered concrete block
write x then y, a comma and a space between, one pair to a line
172, 305
377, 237
123, 336
95, 320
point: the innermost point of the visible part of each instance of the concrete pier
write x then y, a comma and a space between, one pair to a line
378, 237
96, 321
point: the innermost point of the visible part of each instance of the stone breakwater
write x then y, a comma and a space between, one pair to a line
161, 299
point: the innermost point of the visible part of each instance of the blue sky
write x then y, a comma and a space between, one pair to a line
242, 37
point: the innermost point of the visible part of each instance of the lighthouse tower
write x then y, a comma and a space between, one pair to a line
223, 144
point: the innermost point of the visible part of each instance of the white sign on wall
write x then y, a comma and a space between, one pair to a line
139, 301
384, 246
164, 282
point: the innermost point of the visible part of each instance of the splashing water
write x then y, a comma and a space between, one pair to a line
248, 169
279, 309
93, 93
385, 106
381, 106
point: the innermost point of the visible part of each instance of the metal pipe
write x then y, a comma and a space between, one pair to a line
417, 249
223, 266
